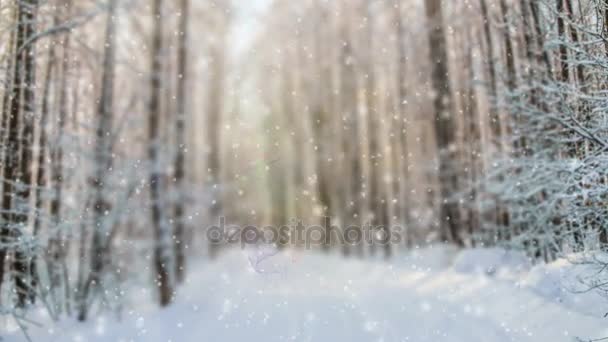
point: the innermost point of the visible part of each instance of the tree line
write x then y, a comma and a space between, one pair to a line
474, 123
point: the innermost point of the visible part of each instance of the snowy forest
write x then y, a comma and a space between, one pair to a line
305, 170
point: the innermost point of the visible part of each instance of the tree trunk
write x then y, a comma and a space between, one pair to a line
473, 142
103, 163
21, 259
162, 260
404, 174
377, 186
41, 177
495, 126
350, 71
214, 128
580, 70
18, 153
320, 121
564, 68
57, 251
444, 125
510, 57
9, 140
543, 55
180, 134
605, 26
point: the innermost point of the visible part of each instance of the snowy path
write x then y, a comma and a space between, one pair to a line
318, 298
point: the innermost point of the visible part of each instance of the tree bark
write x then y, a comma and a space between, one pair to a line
495, 124
509, 56
57, 250
162, 261
41, 177
103, 163
19, 147
9, 139
179, 234
564, 68
542, 55
402, 125
215, 107
21, 259
574, 35
444, 125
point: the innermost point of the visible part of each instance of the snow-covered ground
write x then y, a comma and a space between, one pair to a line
433, 294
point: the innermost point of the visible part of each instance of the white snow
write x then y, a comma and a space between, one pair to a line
308, 296
568, 282
492, 261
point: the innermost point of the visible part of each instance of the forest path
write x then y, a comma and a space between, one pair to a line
314, 297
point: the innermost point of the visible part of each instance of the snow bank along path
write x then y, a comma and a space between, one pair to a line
296, 296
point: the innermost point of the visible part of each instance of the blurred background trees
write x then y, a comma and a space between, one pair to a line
475, 123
